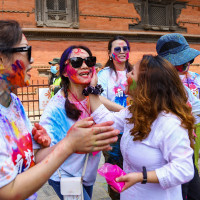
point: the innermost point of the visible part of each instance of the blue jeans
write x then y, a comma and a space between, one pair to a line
87, 190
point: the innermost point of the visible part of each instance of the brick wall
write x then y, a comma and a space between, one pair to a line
119, 8
44, 51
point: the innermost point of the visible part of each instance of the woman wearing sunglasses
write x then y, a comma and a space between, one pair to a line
20, 177
68, 106
113, 80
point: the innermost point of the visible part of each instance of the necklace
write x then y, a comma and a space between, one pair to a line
89, 113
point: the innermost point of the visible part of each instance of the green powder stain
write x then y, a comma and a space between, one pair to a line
132, 84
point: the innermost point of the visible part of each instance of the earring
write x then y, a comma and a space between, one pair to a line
110, 58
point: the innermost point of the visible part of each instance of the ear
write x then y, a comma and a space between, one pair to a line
4, 60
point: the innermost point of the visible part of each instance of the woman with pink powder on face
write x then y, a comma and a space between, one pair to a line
68, 106
113, 80
20, 175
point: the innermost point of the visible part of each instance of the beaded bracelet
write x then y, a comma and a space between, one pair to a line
92, 90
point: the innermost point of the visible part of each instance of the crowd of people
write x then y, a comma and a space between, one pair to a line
144, 117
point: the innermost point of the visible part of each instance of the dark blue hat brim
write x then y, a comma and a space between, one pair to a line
182, 57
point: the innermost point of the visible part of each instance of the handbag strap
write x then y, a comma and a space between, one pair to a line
84, 167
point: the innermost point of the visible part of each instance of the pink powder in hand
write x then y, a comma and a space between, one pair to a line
111, 172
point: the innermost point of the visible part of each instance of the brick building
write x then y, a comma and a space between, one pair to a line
52, 25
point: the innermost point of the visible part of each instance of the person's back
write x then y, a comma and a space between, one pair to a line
174, 48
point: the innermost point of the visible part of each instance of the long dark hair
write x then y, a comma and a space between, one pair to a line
71, 110
159, 88
109, 62
10, 35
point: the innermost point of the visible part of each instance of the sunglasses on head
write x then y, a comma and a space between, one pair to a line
77, 62
21, 49
119, 49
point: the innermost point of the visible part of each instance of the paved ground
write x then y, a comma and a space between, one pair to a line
99, 192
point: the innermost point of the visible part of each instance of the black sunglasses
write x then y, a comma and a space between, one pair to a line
77, 62
118, 49
21, 49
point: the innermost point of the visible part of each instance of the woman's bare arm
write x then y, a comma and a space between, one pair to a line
112, 106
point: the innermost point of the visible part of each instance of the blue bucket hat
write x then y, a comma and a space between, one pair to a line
175, 49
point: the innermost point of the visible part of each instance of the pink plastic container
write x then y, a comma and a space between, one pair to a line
111, 172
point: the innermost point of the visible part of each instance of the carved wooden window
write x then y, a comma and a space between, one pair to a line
158, 14
57, 13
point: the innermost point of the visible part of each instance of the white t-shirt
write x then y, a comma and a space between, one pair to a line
114, 87
166, 150
16, 145
195, 103
192, 81
57, 124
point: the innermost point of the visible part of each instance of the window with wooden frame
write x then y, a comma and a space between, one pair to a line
57, 13
158, 15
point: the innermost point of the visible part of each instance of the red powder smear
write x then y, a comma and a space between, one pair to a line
24, 144
2, 170
121, 43
94, 70
17, 77
117, 88
77, 51
129, 80
8, 177
8, 138
72, 73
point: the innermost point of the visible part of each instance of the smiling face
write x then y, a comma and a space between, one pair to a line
81, 75
16, 69
122, 55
